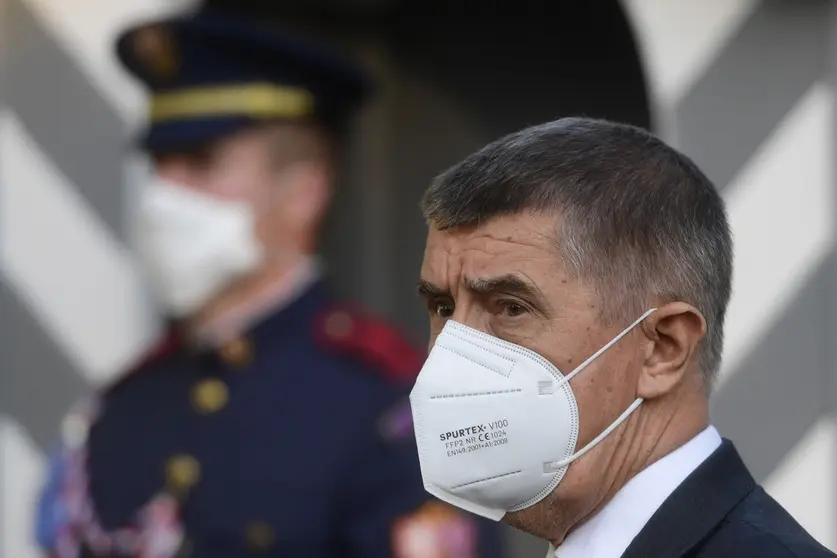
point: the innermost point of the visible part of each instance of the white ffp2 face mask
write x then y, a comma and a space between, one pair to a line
193, 245
496, 424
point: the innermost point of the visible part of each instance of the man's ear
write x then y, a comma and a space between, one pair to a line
673, 332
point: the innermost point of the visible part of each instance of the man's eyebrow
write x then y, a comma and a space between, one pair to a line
509, 283
426, 288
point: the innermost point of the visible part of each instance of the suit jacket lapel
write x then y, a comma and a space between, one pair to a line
699, 504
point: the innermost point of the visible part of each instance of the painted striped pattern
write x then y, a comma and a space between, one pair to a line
747, 89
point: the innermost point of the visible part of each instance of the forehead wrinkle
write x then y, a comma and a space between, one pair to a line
514, 259
471, 251
508, 242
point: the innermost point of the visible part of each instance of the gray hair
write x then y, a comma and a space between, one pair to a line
638, 219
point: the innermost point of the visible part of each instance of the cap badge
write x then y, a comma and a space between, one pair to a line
154, 47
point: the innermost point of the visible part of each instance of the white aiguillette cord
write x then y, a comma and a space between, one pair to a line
556, 465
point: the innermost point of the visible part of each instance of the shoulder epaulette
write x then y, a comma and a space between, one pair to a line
350, 331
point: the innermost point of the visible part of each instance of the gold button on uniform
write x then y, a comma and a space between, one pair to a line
260, 536
238, 352
182, 472
210, 395
339, 325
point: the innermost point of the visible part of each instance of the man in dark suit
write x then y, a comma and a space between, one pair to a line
274, 421
577, 275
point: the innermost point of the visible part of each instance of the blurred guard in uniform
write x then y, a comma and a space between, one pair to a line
275, 422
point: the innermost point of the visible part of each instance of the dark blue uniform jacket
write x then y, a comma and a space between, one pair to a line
294, 441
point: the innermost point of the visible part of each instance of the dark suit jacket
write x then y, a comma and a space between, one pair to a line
720, 512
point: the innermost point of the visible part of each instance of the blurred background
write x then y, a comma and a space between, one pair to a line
745, 87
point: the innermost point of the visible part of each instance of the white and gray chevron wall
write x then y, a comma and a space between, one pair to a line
746, 87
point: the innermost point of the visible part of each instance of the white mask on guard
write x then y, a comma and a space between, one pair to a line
496, 424
193, 245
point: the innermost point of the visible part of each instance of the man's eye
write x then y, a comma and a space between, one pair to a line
442, 309
512, 309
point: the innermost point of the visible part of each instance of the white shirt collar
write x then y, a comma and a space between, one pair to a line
609, 533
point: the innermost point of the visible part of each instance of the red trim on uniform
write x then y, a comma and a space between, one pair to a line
348, 330
168, 344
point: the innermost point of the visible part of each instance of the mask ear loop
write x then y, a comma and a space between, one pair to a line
611, 343
556, 465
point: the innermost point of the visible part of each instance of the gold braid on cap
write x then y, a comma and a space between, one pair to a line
256, 100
